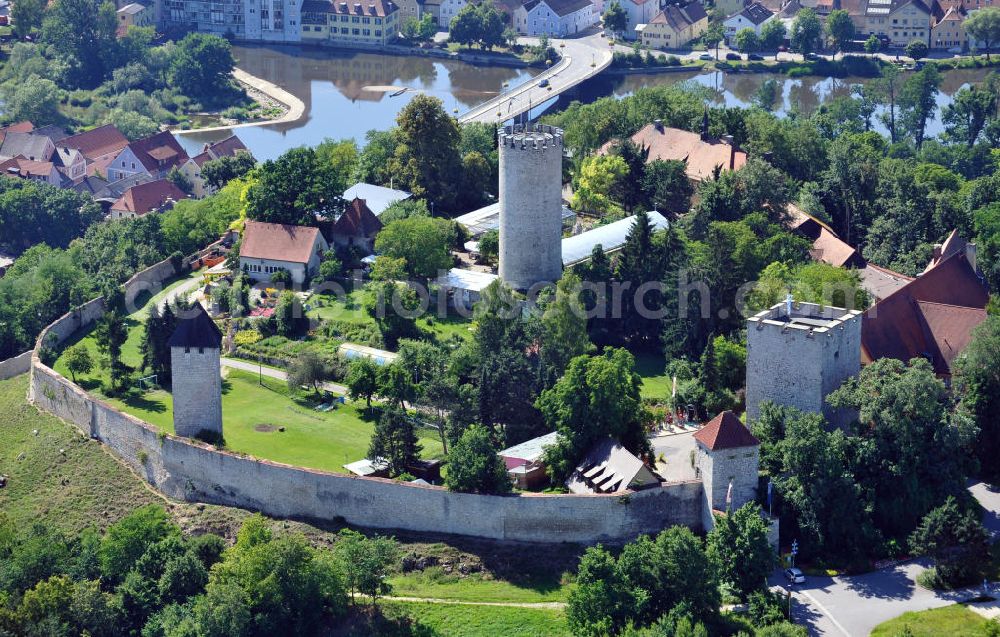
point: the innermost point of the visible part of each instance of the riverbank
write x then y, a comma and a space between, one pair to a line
295, 108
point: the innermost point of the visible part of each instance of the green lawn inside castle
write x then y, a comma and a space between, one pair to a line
261, 417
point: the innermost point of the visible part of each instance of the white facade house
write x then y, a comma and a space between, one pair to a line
554, 17
269, 247
639, 12
753, 16
449, 9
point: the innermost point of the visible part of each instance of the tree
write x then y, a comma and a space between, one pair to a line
293, 188
474, 466
394, 306
491, 25
422, 241
466, 27
615, 18
128, 539
422, 29
806, 31
78, 360
132, 124
219, 172
977, 381
489, 246
362, 379
202, 66
747, 40
713, 36
956, 540
983, 26
873, 44
564, 327
601, 602
111, 334
306, 369
598, 176
888, 85
918, 101
35, 99
916, 49
26, 16
772, 34
394, 441
395, 384
426, 158
82, 34
598, 397
366, 562
738, 546
840, 29
966, 117
289, 317
666, 186
181, 180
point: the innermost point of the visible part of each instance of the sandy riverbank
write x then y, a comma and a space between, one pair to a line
295, 107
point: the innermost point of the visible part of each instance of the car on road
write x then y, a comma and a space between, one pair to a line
543, 83
795, 576
705, 56
733, 56
756, 58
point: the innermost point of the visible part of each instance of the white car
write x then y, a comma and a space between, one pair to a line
795, 576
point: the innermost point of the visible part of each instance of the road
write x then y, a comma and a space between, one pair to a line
853, 606
271, 372
581, 58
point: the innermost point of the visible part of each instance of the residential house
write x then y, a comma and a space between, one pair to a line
372, 23
554, 17
899, 21
410, 9
377, 198
135, 15
99, 146
35, 157
155, 156
948, 29
827, 246
448, 9
356, 227
752, 16
701, 153
228, 147
524, 461
244, 20
933, 315
31, 146
638, 12
41, 171
674, 27
17, 127
610, 468
269, 247
433, 7
142, 199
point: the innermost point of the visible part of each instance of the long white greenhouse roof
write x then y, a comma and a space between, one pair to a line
611, 237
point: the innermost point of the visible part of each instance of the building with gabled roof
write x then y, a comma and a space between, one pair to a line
228, 147
932, 316
752, 16
827, 246
17, 127
372, 23
41, 171
638, 12
377, 198
725, 431
727, 461
269, 247
356, 226
101, 143
30, 146
142, 199
610, 468
554, 17
155, 155
898, 21
674, 26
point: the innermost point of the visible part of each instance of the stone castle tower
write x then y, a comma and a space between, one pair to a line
530, 205
728, 454
798, 353
196, 374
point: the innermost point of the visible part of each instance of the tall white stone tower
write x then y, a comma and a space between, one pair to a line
727, 462
798, 353
530, 205
196, 375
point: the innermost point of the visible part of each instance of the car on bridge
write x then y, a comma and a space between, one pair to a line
543, 83
705, 56
795, 576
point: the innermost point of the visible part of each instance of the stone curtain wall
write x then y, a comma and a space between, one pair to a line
190, 470
15, 366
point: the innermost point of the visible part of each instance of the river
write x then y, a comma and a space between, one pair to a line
347, 94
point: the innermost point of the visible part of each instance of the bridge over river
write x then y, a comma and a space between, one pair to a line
582, 58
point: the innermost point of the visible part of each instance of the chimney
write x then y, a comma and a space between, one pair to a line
357, 8
658, 124
732, 156
371, 8
343, 7
970, 255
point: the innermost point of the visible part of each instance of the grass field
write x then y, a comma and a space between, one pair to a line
433, 582
350, 307
954, 621
453, 620
655, 381
58, 476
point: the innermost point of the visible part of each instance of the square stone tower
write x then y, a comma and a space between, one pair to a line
196, 374
798, 353
727, 462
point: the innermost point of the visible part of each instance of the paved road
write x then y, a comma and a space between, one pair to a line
853, 606
676, 450
270, 372
582, 58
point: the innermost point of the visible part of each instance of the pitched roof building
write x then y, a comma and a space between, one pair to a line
196, 330
356, 226
725, 431
142, 199
610, 468
931, 317
155, 155
554, 17
269, 247
827, 245
97, 142
674, 26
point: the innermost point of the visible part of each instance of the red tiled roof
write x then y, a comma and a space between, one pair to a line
146, 198
95, 143
930, 317
725, 431
18, 127
701, 156
827, 246
159, 152
357, 221
278, 242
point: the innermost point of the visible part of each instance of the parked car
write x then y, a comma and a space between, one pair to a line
795, 576
810, 56
733, 56
543, 83
705, 56
755, 57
